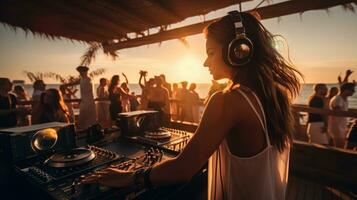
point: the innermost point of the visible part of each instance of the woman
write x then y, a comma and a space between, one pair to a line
115, 94
194, 99
103, 104
158, 99
125, 101
52, 108
145, 90
8, 102
245, 130
67, 96
21, 95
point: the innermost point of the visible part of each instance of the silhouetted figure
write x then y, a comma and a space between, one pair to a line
103, 104
159, 100
337, 125
185, 105
115, 95
145, 93
352, 137
51, 108
317, 124
125, 102
166, 84
21, 96
194, 101
8, 101
333, 91
174, 105
87, 112
38, 88
134, 103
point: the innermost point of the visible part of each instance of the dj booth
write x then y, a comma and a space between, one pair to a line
48, 161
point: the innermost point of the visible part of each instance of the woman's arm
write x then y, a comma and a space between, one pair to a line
216, 122
126, 79
141, 85
123, 93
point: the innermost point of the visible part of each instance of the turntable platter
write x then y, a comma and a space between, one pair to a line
158, 135
71, 158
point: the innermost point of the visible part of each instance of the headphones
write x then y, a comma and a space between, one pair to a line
240, 49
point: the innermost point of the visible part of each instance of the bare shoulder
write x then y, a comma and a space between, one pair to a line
221, 104
225, 99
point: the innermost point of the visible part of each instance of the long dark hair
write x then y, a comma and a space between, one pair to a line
268, 74
114, 81
51, 111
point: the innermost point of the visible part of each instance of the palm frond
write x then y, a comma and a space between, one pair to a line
31, 76
55, 76
349, 7
34, 76
90, 54
97, 72
113, 54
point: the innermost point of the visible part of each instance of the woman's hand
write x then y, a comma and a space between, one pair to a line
111, 177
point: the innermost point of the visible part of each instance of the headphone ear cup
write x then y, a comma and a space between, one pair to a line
239, 51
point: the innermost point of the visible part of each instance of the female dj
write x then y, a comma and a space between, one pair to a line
245, 132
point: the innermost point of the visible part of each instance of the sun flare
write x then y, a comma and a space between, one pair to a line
190, 68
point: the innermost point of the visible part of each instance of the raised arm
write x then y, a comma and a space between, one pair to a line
123, 93
347, 75
141, 85
126, 79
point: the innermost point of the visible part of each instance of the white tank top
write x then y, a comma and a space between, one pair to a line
262, 176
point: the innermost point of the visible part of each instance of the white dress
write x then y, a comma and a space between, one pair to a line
87, 111
103, 107
262, 176
337, 125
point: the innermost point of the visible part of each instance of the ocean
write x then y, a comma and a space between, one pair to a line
202, 90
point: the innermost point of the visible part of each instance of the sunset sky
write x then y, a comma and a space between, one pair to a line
321, 45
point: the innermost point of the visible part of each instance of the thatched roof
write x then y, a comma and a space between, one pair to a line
101, 20
266, 12
110, 24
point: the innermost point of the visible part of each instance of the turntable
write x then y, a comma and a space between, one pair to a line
159, 134
71, 158
51, 164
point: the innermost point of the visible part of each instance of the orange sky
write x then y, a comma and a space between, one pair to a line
321, 45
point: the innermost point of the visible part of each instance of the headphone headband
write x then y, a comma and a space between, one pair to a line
236, 18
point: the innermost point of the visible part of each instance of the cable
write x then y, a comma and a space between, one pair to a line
258, 4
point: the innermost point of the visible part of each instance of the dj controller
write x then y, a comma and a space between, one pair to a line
57, 174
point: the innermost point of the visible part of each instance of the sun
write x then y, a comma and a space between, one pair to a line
189, 68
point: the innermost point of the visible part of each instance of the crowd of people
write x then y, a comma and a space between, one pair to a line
113, 97
331, 129
174, 101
